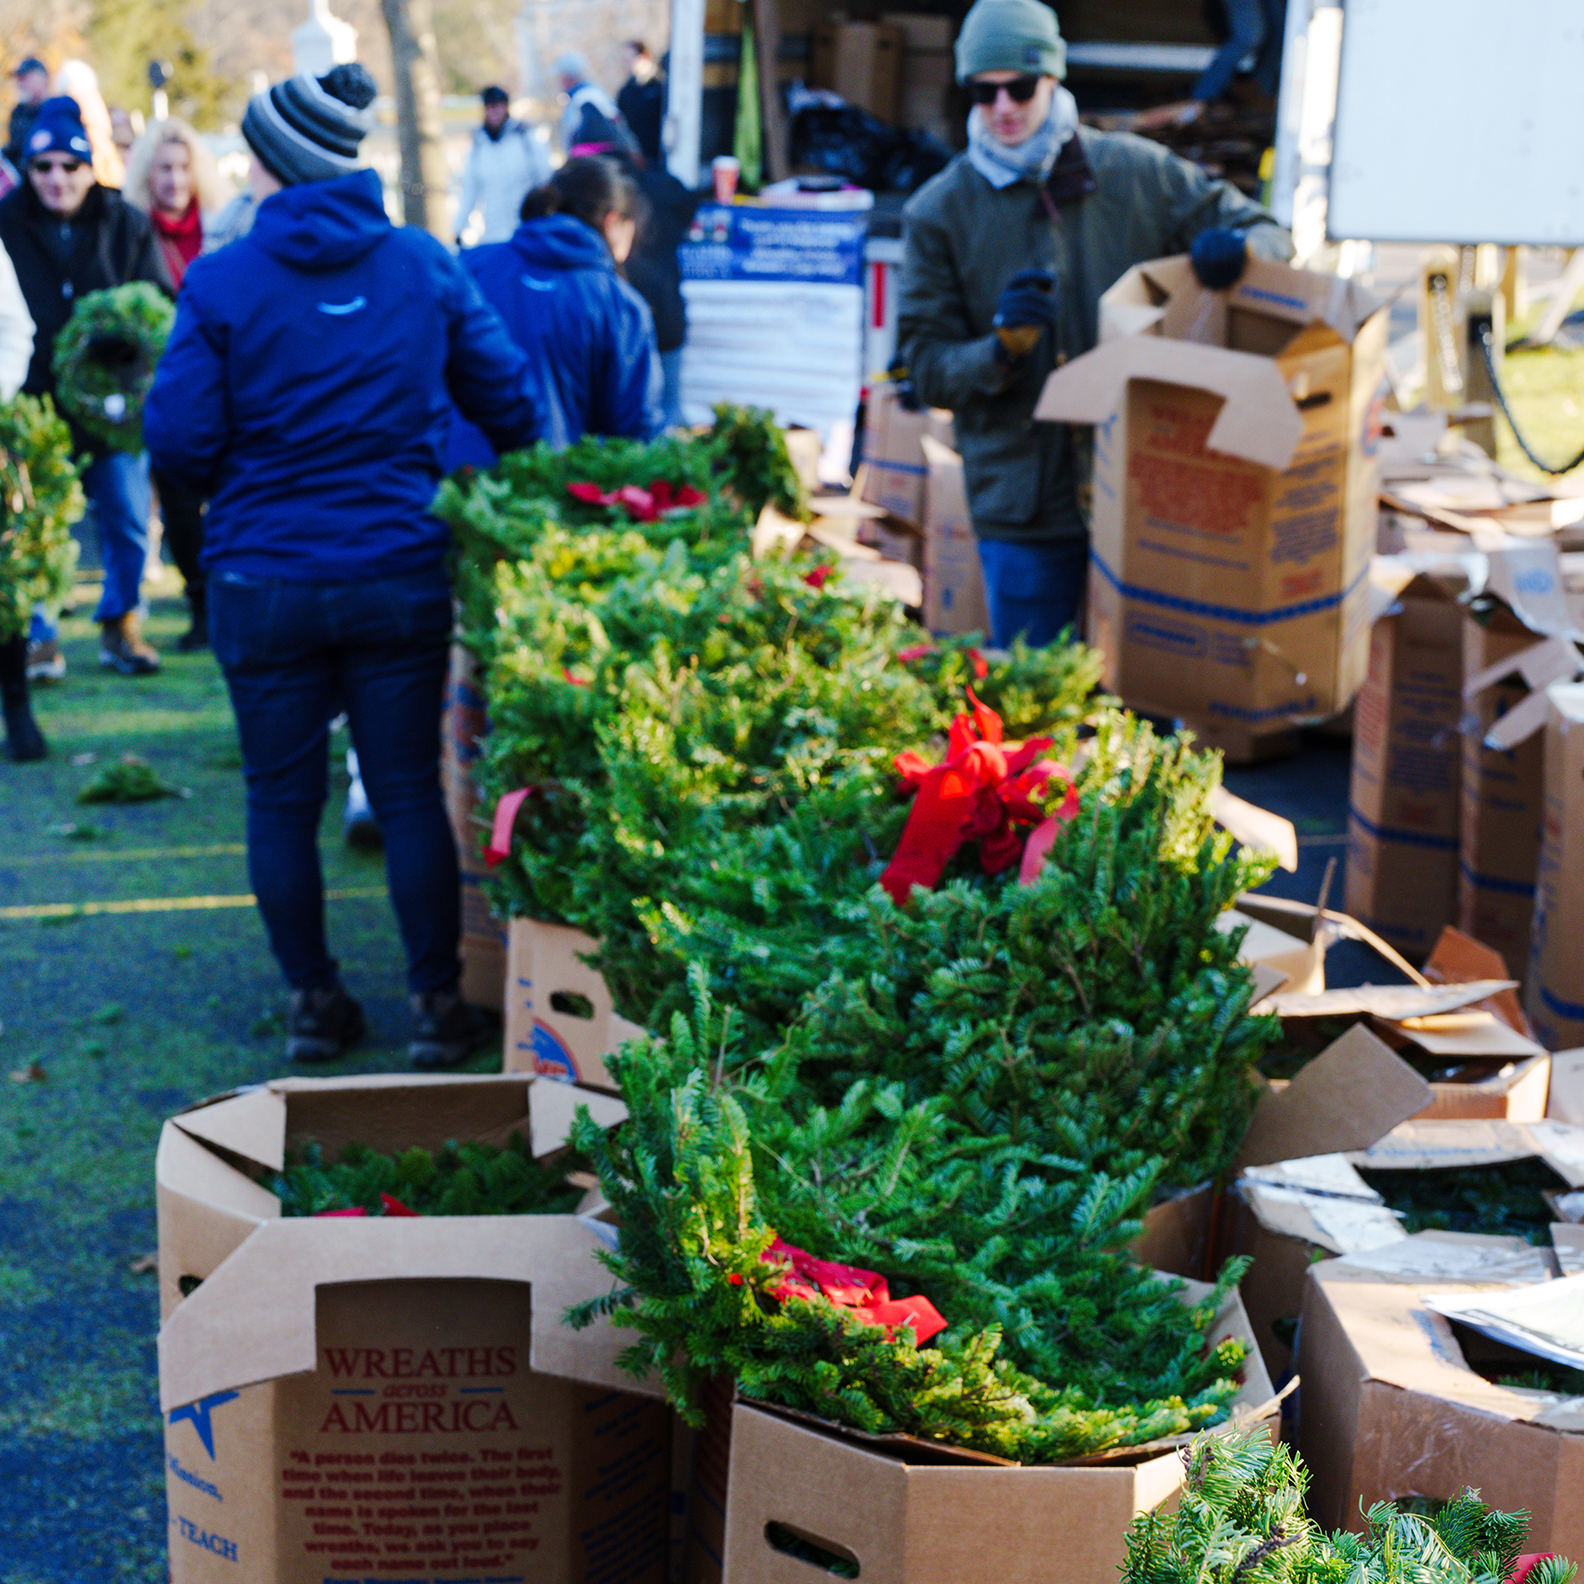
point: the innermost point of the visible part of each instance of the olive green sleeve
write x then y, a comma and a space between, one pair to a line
1195, 202
950, 365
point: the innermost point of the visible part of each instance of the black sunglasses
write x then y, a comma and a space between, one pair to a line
1020, 90
70, 166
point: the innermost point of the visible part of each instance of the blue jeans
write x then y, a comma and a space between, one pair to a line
293, 654
117, 486
1033, 590
1256, 25
671, 387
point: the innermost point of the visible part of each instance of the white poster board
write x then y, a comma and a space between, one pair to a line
1460, 121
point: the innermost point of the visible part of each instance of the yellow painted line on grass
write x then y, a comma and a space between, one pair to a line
140, 854
192, 904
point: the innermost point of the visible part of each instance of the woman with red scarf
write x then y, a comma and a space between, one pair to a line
171, 176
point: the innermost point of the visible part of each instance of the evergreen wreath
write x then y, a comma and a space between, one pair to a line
1240, 1520
105, 358
41, 497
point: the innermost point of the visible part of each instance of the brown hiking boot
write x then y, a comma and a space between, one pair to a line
123, 648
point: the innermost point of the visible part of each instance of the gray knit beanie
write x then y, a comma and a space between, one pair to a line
308, 129
1010, 35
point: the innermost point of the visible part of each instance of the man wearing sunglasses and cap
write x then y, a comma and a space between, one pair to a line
1007, 252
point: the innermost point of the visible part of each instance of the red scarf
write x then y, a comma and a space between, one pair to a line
180, 240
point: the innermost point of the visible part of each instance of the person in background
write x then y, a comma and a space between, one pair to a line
642, 99
590, 120
558, 286
24, 741
655, 272
172, 177
32, 85
505, 162
122, 132
78, 80
307, 390
68, 235
1005, 255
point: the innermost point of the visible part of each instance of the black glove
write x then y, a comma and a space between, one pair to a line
1026, 309
1219, 258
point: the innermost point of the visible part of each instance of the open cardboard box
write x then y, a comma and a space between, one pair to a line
1460, 1011
1235, 486
1556, 963
909, 1511
1398, 1404
393, 1397
560, 1019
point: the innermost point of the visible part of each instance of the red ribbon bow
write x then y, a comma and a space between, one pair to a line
499, 848
980, 666
863, 1291
393, 1207
986, 791
641, 504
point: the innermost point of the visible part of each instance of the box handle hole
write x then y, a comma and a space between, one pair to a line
571, 1004
188, 1285
822, 1554
1309, 403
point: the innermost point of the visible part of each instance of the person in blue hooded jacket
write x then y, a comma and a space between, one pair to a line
557, 284
307, 390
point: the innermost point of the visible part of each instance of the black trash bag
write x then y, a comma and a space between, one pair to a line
848, 142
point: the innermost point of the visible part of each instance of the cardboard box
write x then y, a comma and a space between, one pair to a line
463, 727
391, 1398
954, 590
1403, 801
1460, 1016
1502, 792
1392, 1408
893, 452
1556, 963
908, 1512
1235, 490
560, 1020
861, 61
923, 32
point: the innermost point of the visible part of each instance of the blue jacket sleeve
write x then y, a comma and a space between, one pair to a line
187, 416
626, 404
487, 373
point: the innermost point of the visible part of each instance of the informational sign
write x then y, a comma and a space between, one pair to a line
737, 242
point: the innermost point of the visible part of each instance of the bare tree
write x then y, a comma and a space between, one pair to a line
416, 68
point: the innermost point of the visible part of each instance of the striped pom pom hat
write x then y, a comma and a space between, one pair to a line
308, 129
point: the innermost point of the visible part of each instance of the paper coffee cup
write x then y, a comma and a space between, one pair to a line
724, 168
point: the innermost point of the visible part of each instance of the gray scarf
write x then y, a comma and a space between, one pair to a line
1029, 161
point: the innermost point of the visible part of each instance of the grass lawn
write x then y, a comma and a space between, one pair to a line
108, 1023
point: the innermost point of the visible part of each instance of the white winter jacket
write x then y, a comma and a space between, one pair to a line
500, 173
16, 331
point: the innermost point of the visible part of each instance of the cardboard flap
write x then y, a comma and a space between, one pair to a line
1343, 1226
552, 1107
1389, 1003
184, 1165
1472, 1036
1519, 724
937, 453
250, 1123
1304, 918
1258, 420
1567, 1242
1422, 1146
1453, 1256
1352, 1093
1255, 827
1527, 574
1550, 660
774, 531
1566, 1099
1546, 1319
254, 1319
1561, 1146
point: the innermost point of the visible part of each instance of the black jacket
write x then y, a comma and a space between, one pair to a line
652, 267
23, 115
106, 243
642, 105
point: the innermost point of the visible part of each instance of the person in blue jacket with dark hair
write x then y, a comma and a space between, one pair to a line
557, 283
307, 390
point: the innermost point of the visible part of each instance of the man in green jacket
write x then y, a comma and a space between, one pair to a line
1007, 252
